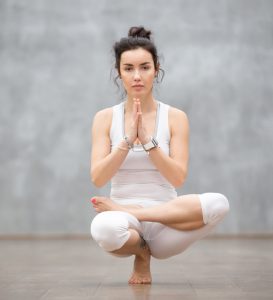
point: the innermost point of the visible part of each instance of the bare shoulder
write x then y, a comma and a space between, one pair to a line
177, 118
103, 118
177, 113
104, 114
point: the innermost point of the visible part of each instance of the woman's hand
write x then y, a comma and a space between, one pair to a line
141, 130
133, 129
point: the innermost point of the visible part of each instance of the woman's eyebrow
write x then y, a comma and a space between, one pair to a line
142, 64
145, 63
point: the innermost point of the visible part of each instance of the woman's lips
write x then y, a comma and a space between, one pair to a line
138, 86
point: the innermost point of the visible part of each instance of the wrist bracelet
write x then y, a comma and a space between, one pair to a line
130, 146
121, 148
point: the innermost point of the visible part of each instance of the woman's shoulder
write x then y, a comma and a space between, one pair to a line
107, 112
178, 120
177, 114
103, 118
104, 113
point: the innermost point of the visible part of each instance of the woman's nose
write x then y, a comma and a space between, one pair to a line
136, 75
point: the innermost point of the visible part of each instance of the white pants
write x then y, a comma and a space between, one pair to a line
110, 229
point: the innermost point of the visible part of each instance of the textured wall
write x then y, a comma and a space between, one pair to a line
55, 61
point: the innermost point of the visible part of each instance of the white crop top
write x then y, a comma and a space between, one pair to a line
138, 181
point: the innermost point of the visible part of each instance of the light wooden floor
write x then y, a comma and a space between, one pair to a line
232, 269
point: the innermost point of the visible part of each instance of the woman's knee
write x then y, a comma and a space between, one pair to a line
215, 206
110, 230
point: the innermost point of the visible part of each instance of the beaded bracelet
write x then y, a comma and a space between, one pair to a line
121, 148
130, 146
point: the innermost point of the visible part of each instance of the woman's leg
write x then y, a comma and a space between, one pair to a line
119, 233
164, 241
183, 213
168, 242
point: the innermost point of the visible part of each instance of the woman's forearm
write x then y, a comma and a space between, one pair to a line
105, 169
168, 167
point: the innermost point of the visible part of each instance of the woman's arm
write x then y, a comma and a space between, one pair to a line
174, 167
104, 163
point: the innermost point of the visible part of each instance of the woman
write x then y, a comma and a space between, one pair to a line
141, 145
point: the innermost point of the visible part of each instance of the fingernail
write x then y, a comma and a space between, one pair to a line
93, 200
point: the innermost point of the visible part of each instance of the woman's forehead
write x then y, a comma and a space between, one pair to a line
136, 56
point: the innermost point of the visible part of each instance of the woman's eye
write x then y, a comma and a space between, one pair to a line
128, 69
146, 67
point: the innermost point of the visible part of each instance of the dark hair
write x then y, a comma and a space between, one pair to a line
138, 37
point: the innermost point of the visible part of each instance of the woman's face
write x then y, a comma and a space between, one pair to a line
137, 72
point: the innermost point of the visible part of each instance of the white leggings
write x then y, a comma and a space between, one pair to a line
110, 229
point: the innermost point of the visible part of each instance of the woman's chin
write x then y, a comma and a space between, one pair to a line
140, 94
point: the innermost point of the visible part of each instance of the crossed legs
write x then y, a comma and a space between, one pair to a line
185, 216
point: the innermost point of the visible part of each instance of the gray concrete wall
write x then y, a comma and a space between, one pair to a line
55, 61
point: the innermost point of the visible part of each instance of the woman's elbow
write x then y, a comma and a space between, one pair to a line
179, 180
96, 180
178, 183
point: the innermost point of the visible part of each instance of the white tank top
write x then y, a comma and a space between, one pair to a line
138, 181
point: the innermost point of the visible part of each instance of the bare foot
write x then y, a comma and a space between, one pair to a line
141, 273
105, 203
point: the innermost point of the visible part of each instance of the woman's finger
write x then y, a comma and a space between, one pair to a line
139, 106
139, 119
134, 108
136, 102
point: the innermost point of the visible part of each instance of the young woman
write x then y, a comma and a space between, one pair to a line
141, 145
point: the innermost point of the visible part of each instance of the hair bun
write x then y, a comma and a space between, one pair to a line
139, 32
